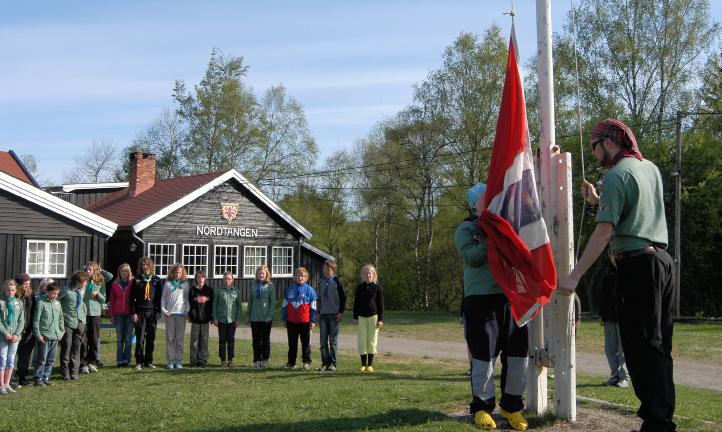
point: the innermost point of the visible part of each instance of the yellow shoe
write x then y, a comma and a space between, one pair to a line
483, 420
370, 369
363, 369
516, 420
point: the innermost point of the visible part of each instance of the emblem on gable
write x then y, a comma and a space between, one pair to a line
229, 211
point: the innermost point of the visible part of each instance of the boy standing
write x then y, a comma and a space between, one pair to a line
71, 301
331, 304
145, 296
48, 329
298, 313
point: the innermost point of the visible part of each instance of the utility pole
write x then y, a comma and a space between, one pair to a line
678, 216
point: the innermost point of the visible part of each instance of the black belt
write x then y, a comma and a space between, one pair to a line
631, 254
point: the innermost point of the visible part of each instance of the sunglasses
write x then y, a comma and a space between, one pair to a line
594, 143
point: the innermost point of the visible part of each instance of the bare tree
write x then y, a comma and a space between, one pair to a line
95, 165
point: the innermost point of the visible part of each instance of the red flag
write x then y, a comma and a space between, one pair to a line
520, 255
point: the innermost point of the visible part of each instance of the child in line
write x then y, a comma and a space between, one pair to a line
27, 341
227, 310
331, 304
298, 313
145, 296
71, 301
368, 313
48, 328
200, 315
12, 322
174, 305
94, 302
261, 304
120, 315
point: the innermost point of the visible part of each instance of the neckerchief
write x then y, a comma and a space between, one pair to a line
259, 286
10, 307
78, 301
175, 284
147, 279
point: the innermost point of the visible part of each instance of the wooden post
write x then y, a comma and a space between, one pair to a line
678, 217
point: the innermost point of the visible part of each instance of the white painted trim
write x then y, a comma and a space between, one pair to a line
83, 186
317, 251
47, 258
56, 205
265, 260
182, 256
163, 275
273, 255
238, 260
231, 174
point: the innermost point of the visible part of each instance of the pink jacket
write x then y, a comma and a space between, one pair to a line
119, 299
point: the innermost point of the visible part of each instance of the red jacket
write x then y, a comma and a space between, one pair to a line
119, 299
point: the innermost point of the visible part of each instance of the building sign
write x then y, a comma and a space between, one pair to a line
225, 231
229, 211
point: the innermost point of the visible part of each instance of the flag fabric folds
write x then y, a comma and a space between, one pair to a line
520, 255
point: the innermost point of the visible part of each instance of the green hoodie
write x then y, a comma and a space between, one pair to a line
473, 250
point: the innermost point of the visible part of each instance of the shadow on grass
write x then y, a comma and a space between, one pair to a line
389, 419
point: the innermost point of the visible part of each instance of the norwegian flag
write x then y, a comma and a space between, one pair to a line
520, 255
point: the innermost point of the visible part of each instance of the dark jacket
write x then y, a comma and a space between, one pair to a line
368, 301
201, 313
29, 305
137, 295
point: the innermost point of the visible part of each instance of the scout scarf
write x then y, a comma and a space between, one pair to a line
260, 285
78, 301
9, 304
147, 279
175, 284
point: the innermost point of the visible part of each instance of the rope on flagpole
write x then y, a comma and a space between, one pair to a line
579, 123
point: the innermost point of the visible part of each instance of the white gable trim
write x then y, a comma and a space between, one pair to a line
49, 201
316, 250
84, 186
232, 174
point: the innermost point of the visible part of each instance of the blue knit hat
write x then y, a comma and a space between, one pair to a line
474, 192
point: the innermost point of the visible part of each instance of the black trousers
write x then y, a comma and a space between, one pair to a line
25, 352
261, 333
645, 291
145, 336
295, 331
70, 350
89, 352
490, 332
227, 341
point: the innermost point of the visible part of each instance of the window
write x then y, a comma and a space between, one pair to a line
225, 259
195, 258
46, 258
163, 256
253, 256
282, 262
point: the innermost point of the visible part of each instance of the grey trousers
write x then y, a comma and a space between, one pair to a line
175, 330
613, 350
70, 350
199, 343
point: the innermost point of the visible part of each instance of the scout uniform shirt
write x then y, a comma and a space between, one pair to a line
48, 320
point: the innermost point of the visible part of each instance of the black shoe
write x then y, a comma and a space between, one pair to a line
66, 377
39, 383
23, 382
99, 363
74, 378
47, 382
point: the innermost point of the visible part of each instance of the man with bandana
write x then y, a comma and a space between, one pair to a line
631, 219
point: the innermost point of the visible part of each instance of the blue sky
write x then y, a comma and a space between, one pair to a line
71, 72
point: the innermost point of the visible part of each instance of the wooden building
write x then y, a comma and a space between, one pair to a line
214, 222
41, 234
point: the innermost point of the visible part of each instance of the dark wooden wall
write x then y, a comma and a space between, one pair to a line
83, 198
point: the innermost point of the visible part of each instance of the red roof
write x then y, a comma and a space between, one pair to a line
127, 211
11, 165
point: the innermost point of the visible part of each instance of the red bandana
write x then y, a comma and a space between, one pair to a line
621, 134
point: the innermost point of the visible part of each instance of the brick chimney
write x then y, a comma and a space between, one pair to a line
142, 173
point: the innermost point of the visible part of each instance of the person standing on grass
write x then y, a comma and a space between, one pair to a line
145, 296
27, 341
94, 302
12, 323
48, 328
200, 315
331, 304
490, 327
261, 305
631, 220
71, 301
227, 311
368, 314
298, 313
612, 342
175, 306
120, 315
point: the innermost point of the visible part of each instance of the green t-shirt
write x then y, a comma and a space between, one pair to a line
477, 276
631, 199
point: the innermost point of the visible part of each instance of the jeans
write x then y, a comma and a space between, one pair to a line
613, 350
329, 339
7, 353
45, 357
124, 332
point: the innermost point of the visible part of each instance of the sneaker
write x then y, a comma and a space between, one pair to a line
516, 420
84, 370
178, 365
92, 368
224, 363
363, 369
323, 368
3, 391
73, 378
66, 377
290, 366
307, 365
10, 390
150, 366
612, 381
47, 382
483, 420
38, 383
231, 365
99, 363
169, 366
369, 369
331, 368
139, 367
623, 383
256, 365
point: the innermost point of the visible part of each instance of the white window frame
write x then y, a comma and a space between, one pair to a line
254, 266
274, 266
46, 258
195, 255
158, 265
219, 274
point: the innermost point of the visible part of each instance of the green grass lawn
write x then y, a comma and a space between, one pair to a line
404, 395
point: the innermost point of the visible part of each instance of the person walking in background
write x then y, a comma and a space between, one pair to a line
120, 316
12, 323
145, 294
368, 314
331, 304
298, 313
631, 220
612, 342
175, 306
48, 327
227, 311
94, 302
27, 341
261, 305
200, 315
